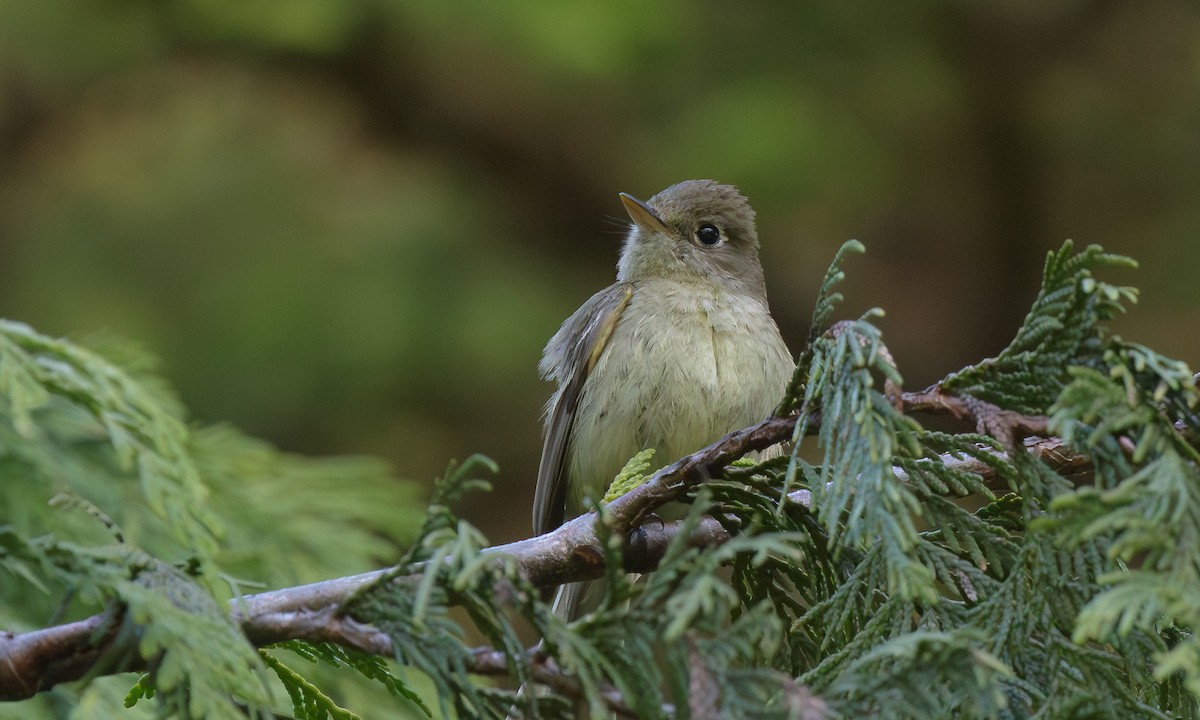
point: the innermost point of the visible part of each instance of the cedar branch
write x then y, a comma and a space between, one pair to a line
36, 661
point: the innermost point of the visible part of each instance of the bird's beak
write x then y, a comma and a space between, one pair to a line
641, 214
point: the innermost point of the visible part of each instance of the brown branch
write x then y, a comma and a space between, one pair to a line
36, 661
1005, 425
326, 624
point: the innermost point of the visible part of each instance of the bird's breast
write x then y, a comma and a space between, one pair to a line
684, 365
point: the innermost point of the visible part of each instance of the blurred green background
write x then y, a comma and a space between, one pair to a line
349, 226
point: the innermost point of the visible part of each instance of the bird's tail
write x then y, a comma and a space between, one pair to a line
569, 599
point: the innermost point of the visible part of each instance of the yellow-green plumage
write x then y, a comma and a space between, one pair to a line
681, 350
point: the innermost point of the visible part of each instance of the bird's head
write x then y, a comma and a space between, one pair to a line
695, 231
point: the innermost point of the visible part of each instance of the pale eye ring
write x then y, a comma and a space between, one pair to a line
708, 234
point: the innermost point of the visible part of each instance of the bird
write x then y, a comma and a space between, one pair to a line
679, 351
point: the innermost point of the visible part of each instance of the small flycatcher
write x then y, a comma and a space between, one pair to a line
680, 351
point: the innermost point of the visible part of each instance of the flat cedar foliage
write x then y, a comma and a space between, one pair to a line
880, 569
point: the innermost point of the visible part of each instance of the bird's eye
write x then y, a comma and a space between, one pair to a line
708, 235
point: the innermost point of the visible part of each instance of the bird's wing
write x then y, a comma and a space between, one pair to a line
570, 356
